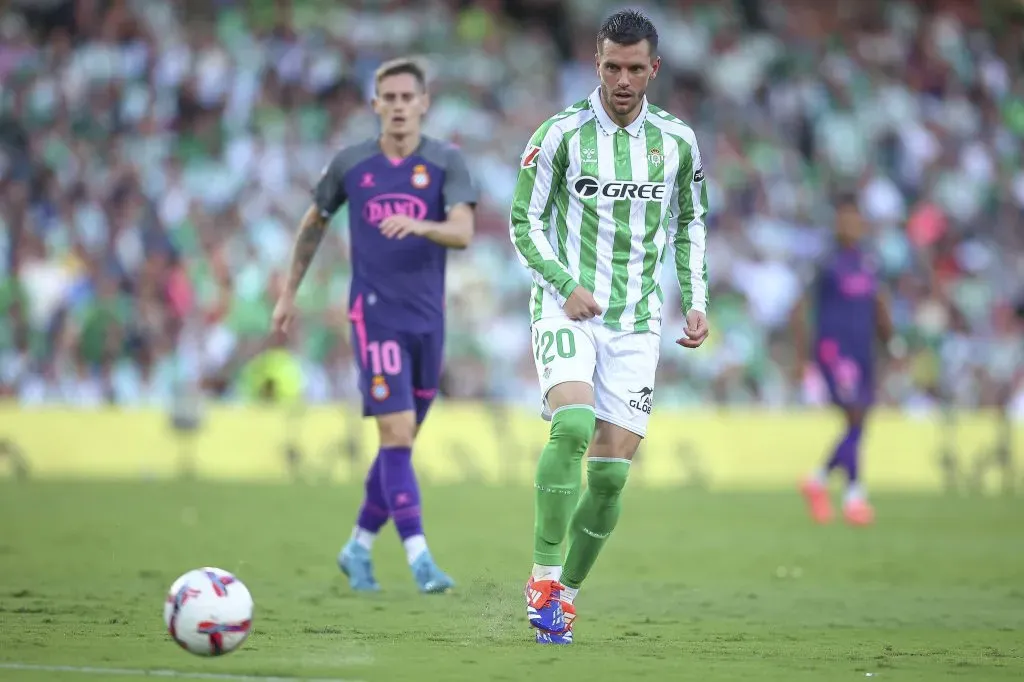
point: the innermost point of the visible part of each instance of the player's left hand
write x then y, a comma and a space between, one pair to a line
401, 226
696, 330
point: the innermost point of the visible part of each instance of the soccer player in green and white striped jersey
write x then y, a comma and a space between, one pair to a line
604, 188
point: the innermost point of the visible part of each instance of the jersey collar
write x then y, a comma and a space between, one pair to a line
609, 126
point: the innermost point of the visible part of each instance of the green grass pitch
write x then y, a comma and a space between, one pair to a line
692, 586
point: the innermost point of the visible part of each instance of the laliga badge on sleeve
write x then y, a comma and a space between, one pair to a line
529, 157
380, 389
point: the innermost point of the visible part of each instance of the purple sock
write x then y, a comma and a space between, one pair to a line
374, 512
846, 454
401, 490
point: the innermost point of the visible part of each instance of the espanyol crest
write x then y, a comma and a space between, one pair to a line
420, 177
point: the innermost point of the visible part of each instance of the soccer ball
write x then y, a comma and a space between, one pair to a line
208, 612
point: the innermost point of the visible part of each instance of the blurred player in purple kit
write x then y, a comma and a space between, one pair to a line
849, 311
410, 198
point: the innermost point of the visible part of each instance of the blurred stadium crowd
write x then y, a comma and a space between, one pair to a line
155, 156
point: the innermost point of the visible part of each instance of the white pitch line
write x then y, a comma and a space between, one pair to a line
173, 674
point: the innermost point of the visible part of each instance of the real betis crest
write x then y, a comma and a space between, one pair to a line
654, 156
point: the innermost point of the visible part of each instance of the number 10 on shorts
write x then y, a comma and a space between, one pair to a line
384, 357
547, 344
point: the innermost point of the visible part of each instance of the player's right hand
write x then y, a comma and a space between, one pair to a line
284, 313
696, 330
581, 305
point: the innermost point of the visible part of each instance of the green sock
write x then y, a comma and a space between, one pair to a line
595, 517
558, 480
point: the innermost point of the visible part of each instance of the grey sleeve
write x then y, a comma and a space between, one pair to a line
329, 193
458, 185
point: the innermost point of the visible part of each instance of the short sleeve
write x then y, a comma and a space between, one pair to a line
812, 277
458, 185
329, 193
813, 282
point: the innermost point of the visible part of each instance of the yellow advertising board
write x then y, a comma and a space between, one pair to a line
717, 449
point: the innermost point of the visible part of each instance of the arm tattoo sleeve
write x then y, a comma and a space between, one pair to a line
311, 233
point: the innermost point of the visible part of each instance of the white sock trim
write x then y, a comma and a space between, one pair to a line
572, 407
610, 459
414, 547
569, 594
541, 572
363, 537
854, 492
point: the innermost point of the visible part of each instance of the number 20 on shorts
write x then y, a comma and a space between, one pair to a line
548, 343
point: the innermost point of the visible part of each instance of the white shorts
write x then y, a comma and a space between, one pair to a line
620, 366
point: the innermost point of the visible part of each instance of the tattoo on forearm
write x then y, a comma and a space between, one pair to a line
311, 233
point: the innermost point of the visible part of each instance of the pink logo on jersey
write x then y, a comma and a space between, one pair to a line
856, 285
828, 351
386, 205
367, 180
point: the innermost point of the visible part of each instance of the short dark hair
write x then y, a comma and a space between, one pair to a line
628, 27
846, 198
399, 66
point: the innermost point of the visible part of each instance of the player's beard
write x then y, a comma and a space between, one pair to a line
622, 108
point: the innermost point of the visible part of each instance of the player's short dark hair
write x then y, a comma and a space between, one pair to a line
628, 27
845, 199
396, 67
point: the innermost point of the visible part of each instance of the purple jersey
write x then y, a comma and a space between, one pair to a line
846, 292
396, 302
400, 282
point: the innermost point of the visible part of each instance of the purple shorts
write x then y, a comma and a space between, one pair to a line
398, 370
849, 376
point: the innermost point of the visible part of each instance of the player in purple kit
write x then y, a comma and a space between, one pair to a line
850, 310
410, 199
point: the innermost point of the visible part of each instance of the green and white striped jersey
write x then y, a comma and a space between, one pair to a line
596, 205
